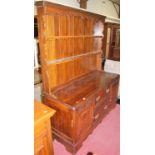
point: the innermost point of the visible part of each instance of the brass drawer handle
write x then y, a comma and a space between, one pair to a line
98, 98
107, 90
105, 107
83, 98
96, 117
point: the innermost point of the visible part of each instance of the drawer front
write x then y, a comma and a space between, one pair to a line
100, 111
101, 98
101, 108
100, 95
85, 103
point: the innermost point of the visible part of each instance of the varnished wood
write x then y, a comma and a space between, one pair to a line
112, 41
65, 32
81, 105
73, 83
42, 129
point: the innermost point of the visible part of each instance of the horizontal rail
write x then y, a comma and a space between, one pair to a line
72, 57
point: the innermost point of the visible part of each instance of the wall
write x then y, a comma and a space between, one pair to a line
113, 67
71, 3
103, 7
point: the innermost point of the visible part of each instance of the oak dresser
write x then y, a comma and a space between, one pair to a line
70, 42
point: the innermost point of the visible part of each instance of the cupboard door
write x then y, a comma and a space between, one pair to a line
63, 122
84, 121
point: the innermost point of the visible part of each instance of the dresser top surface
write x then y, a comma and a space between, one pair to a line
79, 89
42, 112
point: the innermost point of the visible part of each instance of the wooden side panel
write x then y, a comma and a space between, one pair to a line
42, 129
43, 139
113, 92
62, 120
43, 45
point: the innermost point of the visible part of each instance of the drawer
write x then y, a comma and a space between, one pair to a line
102, 94
85, 103
101, 108
107, 90
99, 96
100, 112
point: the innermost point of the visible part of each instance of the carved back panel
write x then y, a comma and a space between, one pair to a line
70, 43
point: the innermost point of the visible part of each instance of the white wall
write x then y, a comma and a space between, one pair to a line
96, 6
99, 7
72, 3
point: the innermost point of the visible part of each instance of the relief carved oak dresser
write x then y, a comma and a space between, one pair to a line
70, 42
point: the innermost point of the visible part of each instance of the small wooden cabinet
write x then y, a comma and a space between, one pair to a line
42, 129
112, 41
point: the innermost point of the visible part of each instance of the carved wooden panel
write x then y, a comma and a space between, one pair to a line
69, 43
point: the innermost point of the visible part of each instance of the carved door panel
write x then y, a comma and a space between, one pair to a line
84, 120
63, 121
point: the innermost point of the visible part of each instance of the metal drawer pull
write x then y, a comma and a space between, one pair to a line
84, 98
107, 90
106, 107
98, 98
96, 116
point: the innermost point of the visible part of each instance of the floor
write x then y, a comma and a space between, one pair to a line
105, 139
